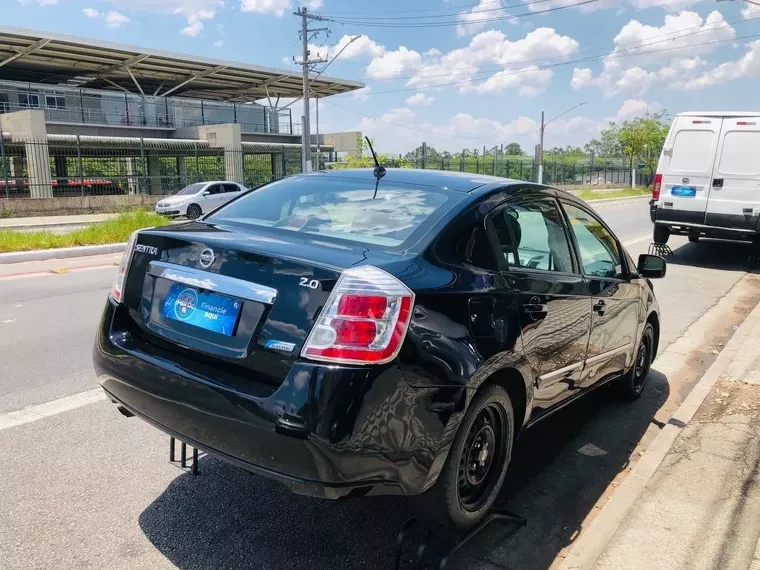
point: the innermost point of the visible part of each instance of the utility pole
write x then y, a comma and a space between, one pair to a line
541, 151
307, 65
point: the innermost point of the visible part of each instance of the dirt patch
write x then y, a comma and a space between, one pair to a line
729, 397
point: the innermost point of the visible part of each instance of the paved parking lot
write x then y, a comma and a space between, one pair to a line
88, 488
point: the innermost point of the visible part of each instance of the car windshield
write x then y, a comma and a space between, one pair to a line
335, 207
192, 189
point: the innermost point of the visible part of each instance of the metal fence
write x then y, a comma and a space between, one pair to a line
558, 170
95, 166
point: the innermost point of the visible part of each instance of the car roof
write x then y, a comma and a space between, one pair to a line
718, 114
457, 181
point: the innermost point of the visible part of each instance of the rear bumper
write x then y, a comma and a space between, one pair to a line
325, 431
722, 226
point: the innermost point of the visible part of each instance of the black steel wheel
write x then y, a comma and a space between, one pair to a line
632, 384
194, 211
475, 468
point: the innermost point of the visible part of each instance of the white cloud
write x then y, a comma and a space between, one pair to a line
747, 66
362, 94
218, 43
394, 63
750, 10
90, 13
193, 29
644, 54
276, 7
470, 65
632, 108
192, 10
361, 47
420, 99
115, 19
479, 15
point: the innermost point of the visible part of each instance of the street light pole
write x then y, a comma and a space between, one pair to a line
541, 139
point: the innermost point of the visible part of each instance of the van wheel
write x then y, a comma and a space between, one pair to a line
194, 211
631, 385
694, 238
661, 234
476, 465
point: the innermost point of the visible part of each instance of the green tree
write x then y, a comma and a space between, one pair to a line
513, 149
642, 138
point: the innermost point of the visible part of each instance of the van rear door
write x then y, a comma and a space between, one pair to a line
686, 166
735, 193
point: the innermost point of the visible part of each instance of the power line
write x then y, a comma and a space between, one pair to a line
449, 5
375, 24
613, 55
373, 18
667, 37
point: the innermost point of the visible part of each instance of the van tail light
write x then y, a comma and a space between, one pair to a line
364, 320
126, 258
656, 187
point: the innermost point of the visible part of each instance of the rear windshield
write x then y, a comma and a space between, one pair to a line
337, 207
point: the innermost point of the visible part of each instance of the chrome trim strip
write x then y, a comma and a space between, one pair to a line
213, 282
703, 226
607, 355
560, 372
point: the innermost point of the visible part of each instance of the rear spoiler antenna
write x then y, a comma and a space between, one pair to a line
379, 170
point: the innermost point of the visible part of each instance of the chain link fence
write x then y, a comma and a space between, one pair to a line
65, 166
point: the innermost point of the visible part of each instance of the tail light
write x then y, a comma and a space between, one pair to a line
126, 259
364, 320
656, 187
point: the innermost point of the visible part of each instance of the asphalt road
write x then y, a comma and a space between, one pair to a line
85, 487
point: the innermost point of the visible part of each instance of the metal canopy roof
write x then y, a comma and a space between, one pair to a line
42, 57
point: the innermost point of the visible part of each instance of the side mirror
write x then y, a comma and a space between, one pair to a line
207, 192
652, 266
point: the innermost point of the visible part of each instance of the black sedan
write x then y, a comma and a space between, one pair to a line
351, 335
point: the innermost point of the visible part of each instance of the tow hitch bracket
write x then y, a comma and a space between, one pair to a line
182, 463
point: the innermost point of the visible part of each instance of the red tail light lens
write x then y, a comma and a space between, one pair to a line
656, 187
126, 258
364, 320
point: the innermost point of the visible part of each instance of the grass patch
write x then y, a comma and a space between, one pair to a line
112, 231
607, 194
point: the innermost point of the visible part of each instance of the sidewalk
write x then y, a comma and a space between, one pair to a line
701, 509
41, 222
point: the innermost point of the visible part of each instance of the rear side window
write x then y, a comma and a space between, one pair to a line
741, 153
693, 151
532, 236
340, 208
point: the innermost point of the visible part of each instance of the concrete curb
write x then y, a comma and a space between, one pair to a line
618, 201
594, 540
60, 253
46, 226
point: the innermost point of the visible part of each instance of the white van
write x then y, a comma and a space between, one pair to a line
708, 178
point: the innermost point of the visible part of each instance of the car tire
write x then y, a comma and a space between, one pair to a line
661, 234
694, 238
470, 481
631, 385
193, 212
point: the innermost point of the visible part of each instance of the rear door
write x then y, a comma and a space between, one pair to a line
686, 166
554, 301
229, 191
735, 194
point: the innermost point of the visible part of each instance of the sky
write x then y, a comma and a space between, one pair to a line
459, 73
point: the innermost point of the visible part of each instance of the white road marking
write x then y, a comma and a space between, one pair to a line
52, 408
638, 239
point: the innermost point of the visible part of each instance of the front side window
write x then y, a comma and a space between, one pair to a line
531, 235
600, 254
344, 208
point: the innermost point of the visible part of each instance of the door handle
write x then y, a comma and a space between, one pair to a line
535, 308
599, 307
717, 183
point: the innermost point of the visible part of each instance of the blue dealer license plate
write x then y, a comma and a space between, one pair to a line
201, 309
683, 191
